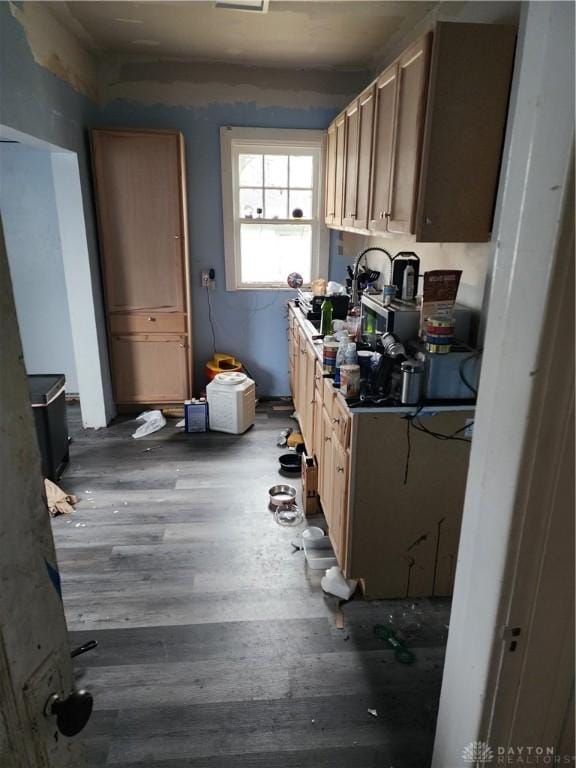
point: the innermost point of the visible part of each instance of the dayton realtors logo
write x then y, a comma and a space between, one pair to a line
479, 753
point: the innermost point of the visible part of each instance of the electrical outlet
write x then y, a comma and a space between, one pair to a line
208, 278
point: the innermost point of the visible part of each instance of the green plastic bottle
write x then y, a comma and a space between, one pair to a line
326, 326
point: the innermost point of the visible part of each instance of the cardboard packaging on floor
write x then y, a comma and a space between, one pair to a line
309, 485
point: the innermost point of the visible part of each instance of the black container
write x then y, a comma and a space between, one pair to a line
48, 400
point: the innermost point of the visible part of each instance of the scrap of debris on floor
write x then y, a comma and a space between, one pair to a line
59, 502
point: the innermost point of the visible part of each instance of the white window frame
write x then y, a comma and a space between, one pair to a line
235, 141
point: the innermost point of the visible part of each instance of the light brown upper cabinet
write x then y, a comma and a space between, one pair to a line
340, 127
352, 118
439, 117
139, 183
366, 123
383, 147
330, 186
410, 111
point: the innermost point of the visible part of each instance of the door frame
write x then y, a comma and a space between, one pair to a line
535, 180
83, 290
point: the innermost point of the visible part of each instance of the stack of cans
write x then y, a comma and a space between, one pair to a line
329, 350
439, 334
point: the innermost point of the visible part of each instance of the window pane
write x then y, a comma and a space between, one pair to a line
275, 170
250, 201
276, 204
269, 252
250, 169
302, 199
301, 167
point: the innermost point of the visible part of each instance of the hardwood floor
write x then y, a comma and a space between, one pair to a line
217, 647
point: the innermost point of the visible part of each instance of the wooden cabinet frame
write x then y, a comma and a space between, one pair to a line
156, 318
436, 143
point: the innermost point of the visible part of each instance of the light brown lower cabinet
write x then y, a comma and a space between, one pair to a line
399, 538
149, 368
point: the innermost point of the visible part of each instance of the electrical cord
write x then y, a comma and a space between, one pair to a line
462, 366
211, 321
411, 418
408, 451
419, 427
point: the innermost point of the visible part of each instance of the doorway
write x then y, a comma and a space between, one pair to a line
52, 280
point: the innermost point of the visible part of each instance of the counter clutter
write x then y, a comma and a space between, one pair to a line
391, 475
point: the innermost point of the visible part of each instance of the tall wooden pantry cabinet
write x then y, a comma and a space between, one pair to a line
141, 203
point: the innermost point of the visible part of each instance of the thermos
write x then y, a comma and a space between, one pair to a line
412, 382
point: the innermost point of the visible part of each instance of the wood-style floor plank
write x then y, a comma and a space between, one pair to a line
217, 647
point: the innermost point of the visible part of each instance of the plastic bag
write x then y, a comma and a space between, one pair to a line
153, 421
334, 583
335, 289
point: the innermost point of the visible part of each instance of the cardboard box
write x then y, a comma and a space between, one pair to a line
309, 485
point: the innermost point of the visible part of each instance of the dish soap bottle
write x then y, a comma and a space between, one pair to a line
326, 318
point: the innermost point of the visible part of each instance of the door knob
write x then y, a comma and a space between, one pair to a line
71, 713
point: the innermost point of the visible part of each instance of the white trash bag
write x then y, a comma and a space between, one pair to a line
153, 421
334, 583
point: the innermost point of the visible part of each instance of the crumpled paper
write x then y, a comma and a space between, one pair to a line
59, 502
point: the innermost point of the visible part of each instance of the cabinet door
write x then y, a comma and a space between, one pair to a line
365, 133
301, 384
413, 69
339, 506
291, 346
317, 438
297, 366
325, 468
351, 164
330, 174
140, 212
383, 148
340, 126
149, 368
309, 398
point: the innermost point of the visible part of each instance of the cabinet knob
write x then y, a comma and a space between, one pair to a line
327, 439
151, 319
335, 421
381, 214
339, 469
176, 237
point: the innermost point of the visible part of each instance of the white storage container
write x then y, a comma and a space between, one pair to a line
231, 402
319, 553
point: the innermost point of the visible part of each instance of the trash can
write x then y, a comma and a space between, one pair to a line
48, 400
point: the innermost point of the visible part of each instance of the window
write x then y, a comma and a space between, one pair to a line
272, 203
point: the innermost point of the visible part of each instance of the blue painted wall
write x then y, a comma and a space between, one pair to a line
250, 325
28, 208
37, 103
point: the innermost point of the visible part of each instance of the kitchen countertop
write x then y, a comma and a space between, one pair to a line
426, 409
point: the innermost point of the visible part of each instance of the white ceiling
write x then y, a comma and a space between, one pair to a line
292, 33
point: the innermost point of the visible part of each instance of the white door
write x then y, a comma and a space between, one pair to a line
35, 663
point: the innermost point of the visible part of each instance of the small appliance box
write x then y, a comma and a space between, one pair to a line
309, 485
195, 416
